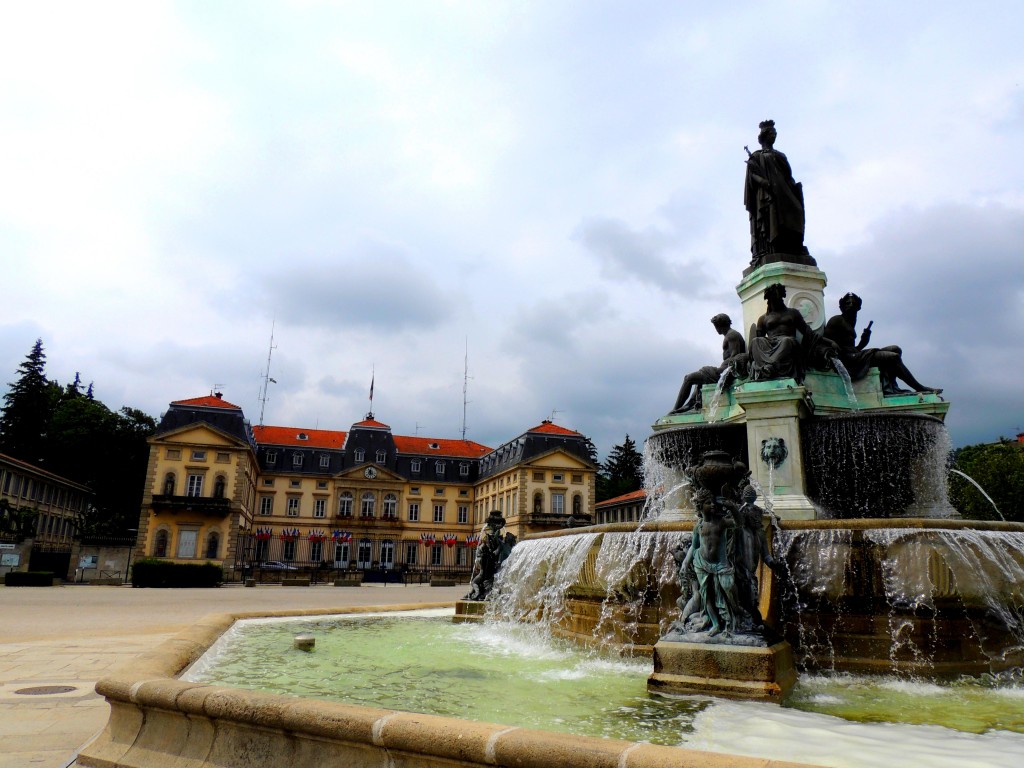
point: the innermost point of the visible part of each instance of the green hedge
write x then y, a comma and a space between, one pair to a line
28, 579
162, 573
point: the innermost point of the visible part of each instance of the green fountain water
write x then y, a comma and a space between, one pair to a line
516, 674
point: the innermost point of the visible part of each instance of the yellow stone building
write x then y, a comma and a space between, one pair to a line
365, 500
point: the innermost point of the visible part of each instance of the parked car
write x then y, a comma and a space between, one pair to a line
276, 565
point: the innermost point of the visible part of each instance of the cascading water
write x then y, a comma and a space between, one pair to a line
533, 584
634, 569
877, 465
981, 490
716, 398
616, 589
847, 381
974, 577
668, 452
936, 602
815, 567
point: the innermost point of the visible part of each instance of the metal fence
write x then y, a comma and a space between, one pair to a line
372, 558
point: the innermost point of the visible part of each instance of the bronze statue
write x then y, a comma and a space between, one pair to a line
717, 568
734, 356
751, 549
710, 549
492, 551
775, 204
775, 351
858, 357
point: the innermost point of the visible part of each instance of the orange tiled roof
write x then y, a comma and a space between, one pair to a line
626, 497
316, 438
421, 445
371, 423
208, 401
550, 428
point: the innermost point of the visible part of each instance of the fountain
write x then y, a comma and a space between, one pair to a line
869, 569
875, 572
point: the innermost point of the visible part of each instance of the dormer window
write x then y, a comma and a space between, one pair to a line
464, 469
297, 460
439, 467
325, 460
359, 455
271, 457
303, 436
434, 446
414, 465
382, 456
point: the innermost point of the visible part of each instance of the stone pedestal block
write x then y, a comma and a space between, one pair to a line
735, 672
773, 411
805, 291
469, 611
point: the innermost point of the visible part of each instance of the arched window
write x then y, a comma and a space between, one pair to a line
369, 502
382, 456
391, 505
345, 504
160, 544
169, 484
439, 467
212, 545
218, 487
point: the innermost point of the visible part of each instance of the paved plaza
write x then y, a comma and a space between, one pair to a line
73, 635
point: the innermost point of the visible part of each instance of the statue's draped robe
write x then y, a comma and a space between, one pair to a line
776, 212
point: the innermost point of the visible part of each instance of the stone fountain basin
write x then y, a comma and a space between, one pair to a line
157, 720
839, 571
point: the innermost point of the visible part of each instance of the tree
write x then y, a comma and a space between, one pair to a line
71, 433
27, 408
18, 523
623, 471
996, 467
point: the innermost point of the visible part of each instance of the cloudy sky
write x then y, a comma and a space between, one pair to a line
555, 185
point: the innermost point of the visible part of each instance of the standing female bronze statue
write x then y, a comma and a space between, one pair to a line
775, 203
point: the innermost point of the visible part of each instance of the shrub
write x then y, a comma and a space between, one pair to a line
162, 573
28, 579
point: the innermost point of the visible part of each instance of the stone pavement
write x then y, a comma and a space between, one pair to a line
73, 635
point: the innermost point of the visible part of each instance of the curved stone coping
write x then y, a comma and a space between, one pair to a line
157, 721
848, 524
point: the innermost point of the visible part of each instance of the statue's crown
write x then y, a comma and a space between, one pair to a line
766, 124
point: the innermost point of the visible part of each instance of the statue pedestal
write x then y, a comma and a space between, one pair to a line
805, 291
469, 611
730, 671
773, 410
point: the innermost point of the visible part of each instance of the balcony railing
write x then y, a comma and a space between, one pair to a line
205, 504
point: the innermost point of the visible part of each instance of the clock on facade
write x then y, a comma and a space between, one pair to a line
370, 473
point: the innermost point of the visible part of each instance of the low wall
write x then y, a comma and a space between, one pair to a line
157, 720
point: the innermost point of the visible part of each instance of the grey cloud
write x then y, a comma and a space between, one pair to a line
607, 378
641, 254
377, 290
947, 285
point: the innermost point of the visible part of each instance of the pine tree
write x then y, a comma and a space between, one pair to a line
623, 470
28, 406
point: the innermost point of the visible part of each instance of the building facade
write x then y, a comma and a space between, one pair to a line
367, 500
200, 490
627, 508
56, 504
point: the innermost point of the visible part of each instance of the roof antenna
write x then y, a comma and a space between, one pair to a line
266, 374
465, 388
373, 378
553, 412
